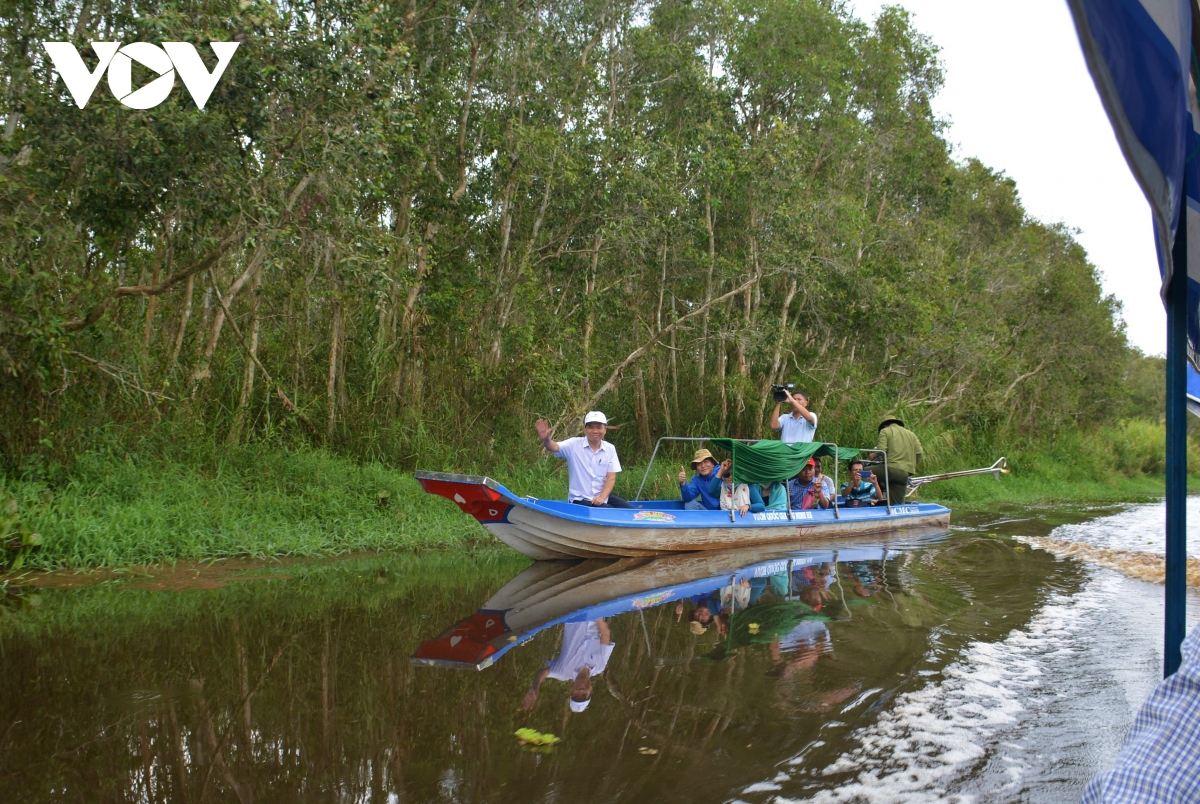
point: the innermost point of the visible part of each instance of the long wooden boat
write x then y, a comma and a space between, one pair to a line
554, 529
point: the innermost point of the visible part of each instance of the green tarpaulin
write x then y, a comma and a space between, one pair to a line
768, 461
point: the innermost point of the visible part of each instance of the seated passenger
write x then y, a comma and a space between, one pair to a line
703, 607
592, 462
742, 497
826, 480
805, 491
695, 493
863, 489
776, 497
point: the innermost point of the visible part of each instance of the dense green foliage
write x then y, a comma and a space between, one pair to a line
400, 231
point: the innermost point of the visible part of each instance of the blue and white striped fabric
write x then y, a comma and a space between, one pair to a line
1139, 52
1161, 758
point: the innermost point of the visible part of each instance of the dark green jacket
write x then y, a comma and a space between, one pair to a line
902, 446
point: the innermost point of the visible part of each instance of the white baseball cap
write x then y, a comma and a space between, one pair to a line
579, 706
595, 416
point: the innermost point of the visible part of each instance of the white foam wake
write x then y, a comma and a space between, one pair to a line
932, 738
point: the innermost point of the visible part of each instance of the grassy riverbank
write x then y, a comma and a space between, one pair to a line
116, 508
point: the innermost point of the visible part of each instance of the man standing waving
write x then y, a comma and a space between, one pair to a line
799, 425
592, 462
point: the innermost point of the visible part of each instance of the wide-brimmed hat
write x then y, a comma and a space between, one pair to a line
702, 454
595, 416
697, 628
890, 420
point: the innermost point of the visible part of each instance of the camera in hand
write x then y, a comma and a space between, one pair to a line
780, 392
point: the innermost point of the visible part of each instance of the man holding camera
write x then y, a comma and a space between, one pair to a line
863, 488
798, 426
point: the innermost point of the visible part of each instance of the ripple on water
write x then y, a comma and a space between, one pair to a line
1031, 717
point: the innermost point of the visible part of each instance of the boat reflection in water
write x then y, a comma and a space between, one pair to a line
720, 674
777, 601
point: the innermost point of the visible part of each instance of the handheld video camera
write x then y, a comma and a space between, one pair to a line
780, 392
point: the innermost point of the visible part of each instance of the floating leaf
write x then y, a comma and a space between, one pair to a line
533, 737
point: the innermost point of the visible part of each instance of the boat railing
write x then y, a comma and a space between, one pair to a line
654, 454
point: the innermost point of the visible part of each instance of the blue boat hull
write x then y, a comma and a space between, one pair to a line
554, 529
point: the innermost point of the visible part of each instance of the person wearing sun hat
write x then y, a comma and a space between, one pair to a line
695, 492
903, 450
592, 462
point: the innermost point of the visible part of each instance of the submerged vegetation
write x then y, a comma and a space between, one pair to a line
399, 232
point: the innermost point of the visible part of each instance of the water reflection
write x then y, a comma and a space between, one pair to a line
716, 590
681, 679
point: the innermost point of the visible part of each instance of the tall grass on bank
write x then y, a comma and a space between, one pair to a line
172, 500
125, 510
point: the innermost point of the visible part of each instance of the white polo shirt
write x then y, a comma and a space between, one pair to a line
581, 647
794, 430
587, 469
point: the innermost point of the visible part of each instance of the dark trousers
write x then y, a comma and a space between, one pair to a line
613, 502
897, 485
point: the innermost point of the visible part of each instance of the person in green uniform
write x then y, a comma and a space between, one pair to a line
903, 450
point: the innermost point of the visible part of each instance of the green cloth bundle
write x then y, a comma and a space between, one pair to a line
769, 461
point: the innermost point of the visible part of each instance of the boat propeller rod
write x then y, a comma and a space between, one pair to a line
1000, 467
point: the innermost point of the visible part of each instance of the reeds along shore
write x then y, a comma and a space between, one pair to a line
171, 499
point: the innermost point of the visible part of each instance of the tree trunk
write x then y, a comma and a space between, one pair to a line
239, 416
643, 412
408, 322
335, 342
708, 290
151, 307
202, 371
674, 361
721, 361
184, 316
589, 319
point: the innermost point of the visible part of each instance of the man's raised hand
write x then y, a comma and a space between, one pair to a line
543, 428
682, 475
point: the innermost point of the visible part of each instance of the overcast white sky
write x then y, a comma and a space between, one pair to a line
1020, 99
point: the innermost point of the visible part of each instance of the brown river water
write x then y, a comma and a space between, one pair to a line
1000, 661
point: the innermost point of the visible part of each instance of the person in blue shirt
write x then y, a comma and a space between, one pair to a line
861, 491
806, 490
695, 492
1160, 760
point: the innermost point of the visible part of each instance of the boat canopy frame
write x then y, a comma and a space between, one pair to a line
836, 451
